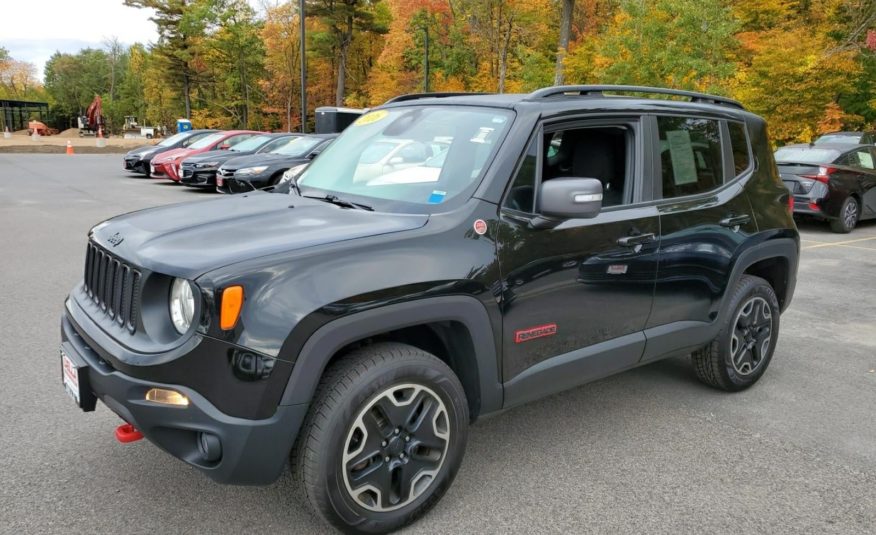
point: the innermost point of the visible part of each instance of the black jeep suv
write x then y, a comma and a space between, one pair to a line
358, 325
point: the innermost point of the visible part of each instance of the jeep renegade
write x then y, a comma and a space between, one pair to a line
516, 246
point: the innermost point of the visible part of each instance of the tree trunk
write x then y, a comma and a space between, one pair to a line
563, 44
503, 54
346, 41
187, 94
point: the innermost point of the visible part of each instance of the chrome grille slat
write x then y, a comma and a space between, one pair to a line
113, 285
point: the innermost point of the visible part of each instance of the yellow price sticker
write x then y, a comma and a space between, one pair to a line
370, 118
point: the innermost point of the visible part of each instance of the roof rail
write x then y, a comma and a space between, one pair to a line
599, 91
417, 96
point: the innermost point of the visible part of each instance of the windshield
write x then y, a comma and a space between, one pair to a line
279, 142
250, 144
296, 146
172, 140
838, 138
207, 141
418, 154
806, 155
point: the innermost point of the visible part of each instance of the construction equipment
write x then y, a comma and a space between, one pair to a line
133, 129
40, 129
93, 120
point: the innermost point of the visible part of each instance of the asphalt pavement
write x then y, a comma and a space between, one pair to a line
648, 451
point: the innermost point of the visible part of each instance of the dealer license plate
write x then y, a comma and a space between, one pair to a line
70, 373
220, 181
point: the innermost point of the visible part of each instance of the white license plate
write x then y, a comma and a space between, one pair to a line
220, 181
71, 377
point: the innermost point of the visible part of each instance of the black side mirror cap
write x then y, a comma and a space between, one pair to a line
570, 198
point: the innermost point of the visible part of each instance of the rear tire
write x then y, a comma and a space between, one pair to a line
742, 351
383, 440
850, 213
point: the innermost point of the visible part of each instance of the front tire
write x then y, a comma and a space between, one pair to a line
850, 213
742, 351
383, 440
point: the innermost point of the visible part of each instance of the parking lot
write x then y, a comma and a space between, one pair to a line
648, 451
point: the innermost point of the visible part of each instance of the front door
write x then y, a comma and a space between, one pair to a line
576, 296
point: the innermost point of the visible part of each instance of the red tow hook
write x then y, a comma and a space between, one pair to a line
126, 433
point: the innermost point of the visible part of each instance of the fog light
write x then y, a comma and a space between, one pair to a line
210, 447
167, 397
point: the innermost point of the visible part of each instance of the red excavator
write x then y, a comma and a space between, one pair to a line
93, 121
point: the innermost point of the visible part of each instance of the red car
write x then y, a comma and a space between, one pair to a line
167, 164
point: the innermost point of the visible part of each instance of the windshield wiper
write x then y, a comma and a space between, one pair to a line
337, 201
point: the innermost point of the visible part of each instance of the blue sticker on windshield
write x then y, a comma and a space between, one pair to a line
437, 197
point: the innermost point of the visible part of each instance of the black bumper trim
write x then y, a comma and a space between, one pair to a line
254, 452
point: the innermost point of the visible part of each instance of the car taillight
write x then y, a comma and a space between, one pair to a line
823, 175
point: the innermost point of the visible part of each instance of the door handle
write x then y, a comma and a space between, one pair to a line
734, 221
638, 239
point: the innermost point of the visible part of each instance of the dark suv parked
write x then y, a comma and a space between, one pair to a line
359, 324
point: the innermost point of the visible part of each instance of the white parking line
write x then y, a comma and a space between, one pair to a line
831, 244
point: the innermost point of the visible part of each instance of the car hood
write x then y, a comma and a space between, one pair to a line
172, 155
189, 239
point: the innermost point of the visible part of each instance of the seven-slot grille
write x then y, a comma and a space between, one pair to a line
113, 285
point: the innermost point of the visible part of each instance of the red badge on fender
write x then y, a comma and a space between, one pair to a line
480, 227
525, 335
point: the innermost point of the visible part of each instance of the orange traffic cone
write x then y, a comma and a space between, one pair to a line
69, 147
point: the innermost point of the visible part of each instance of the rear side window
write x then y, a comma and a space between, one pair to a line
861, 158
690, 155
739, 145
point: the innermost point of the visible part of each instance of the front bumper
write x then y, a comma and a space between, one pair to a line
198, 177
253, 452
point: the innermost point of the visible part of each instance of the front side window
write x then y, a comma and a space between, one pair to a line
521, 196
690, 155
420, 155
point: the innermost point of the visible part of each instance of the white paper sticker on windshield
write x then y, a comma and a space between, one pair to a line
684, 168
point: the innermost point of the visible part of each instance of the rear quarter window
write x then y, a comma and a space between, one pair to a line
740, 146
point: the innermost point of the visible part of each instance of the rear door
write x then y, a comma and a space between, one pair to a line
700, 169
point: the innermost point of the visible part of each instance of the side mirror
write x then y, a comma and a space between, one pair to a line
570, 198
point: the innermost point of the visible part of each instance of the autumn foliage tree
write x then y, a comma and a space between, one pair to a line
807, 66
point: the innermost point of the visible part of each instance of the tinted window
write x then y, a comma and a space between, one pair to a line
521, 196
861, 158
739, 144
690, 153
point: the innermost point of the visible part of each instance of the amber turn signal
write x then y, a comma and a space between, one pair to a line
232, 303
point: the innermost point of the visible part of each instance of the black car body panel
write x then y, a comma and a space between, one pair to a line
137, 160
519, 304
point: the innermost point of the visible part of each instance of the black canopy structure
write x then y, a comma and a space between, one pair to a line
15, 114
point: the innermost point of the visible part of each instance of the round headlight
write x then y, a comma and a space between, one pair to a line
182, 304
